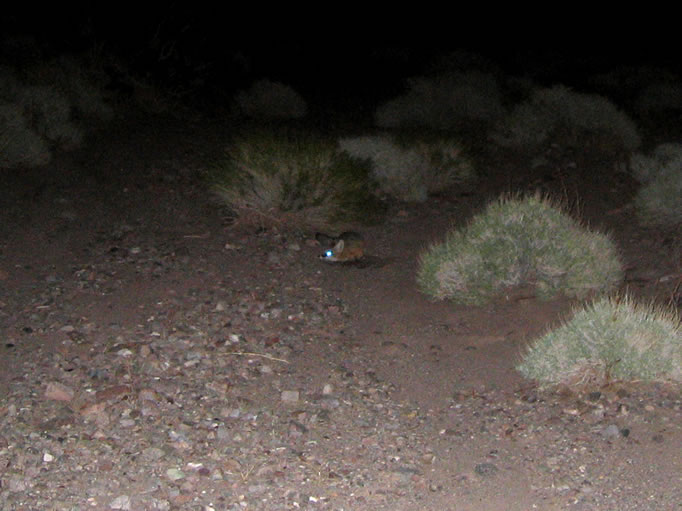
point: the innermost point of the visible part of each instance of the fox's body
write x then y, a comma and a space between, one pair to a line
346, 247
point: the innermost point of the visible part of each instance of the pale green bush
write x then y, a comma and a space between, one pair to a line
443, 102
9, 85
42, 109
658, 97
611, 339
72, 80
19, 144
519, 241
48, 112
410, 169
659, 200
266, 99
561, 116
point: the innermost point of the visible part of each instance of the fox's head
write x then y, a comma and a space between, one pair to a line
332, 254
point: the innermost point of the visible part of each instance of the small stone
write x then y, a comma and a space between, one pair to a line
148, 395
610, 431
274, 259
622, 393
58, 392
594, 396
17, 484
486, 469
222, 433
327, 390
290, 396
114, 392
175, 474
120, 502
152, 454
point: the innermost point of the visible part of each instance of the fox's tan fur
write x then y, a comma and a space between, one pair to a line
346, 247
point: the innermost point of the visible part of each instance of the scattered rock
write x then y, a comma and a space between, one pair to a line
610, 431
58, 392
121, 502
290, 396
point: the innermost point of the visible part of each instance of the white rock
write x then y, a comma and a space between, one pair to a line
120, 502
290, 396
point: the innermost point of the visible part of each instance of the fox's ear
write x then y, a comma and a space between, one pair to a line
339, 246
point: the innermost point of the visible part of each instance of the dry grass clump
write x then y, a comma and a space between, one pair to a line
292, 180
610, 339
519, 241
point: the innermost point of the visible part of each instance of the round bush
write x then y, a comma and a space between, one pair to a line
517, 241
611, 339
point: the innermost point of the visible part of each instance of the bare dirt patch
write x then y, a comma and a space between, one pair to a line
154, 357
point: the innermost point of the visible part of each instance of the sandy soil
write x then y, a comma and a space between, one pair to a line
156, 356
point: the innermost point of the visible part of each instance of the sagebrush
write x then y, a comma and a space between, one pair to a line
559, 115
443, 101
659, 200
43, 107
610, 339
266, 99
411, 168
519, 241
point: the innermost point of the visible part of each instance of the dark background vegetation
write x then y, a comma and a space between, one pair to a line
333, 54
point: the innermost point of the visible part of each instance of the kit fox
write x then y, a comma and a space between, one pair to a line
346, 247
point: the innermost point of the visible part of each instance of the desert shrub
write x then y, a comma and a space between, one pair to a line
42, 106
9, 84
292, 180
75, 82
519, 241
19, 144
610, 339
659, 200
443, 101
626, 83
270, 100
48, 112
411, 168
658, 97
561, 116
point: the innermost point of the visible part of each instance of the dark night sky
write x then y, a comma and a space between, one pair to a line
344, 54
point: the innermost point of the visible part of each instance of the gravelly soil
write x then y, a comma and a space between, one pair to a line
155, 356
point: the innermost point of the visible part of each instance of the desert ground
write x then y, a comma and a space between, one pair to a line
159, 355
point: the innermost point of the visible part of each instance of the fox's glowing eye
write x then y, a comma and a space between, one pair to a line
328, 253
